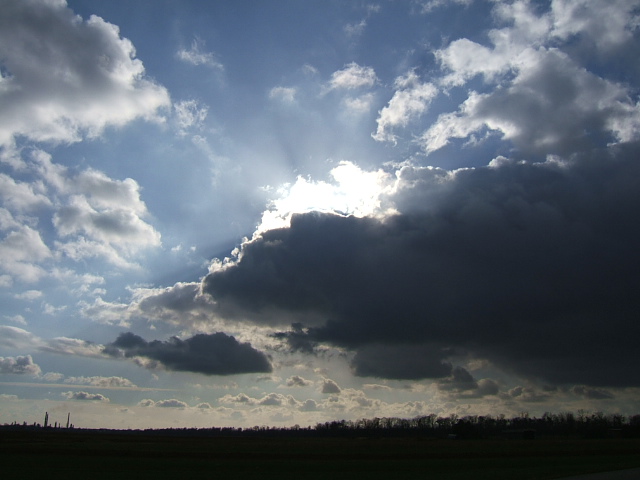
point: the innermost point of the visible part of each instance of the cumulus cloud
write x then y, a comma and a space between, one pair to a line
170, 403
268, 400
353, 76
107, 213
214, 354
65, 77
94, 216
298, 381
410, 100
329, 386
21, 365
85, 396
552, 106
461, 384
20, 250
504, 262
547, 100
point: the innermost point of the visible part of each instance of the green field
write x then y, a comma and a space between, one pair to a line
26, 455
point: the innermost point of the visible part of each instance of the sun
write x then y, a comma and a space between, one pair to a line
353, 191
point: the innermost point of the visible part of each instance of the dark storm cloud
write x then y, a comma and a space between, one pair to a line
215, 354
530, 265
461, 384
407, 362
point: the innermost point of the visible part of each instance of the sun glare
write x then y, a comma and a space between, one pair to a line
352, 192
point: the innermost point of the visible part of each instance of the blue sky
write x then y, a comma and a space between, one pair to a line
284, 212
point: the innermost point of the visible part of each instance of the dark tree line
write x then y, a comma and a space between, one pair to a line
582, 424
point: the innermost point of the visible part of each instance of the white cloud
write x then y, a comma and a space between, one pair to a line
552, 106
18, 338
355, 29
352, 192
19, 319
609, 22
268, 400
73, 346
433, 4
73, 78
189, 114
196, 56
29, 295
21, 196
104, 382
353, 76
359, 105
52, 376
19, 249
283, 94
110, 217
171, 403
411, 99
85, 396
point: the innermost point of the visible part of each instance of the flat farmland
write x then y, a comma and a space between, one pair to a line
107, 455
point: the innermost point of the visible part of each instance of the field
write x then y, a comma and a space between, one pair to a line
108, 455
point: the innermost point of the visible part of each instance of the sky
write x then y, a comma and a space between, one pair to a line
282, 212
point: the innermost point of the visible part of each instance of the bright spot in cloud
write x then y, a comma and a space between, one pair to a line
353, 192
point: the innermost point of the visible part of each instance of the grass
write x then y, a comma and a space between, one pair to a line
53, 455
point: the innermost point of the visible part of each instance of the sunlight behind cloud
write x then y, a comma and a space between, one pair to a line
353, 192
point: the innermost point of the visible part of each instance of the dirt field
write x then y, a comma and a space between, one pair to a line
69, 454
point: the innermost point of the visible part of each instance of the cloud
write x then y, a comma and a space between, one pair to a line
410, 100
20, 196
545, 99
119, 226
401, 362
104, 382
461, 384
85, 396
353, 76
329, 386
526, 395
52, 377
552, 106
268, 400
283, 94
18, 338
94, 216
65, 77
355, 29
29, 295
592, 393
430, 5
189, 114
19, 249
170, 403
73, 346
214, 354
510, 262
21, 365
298, 381
196, 56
